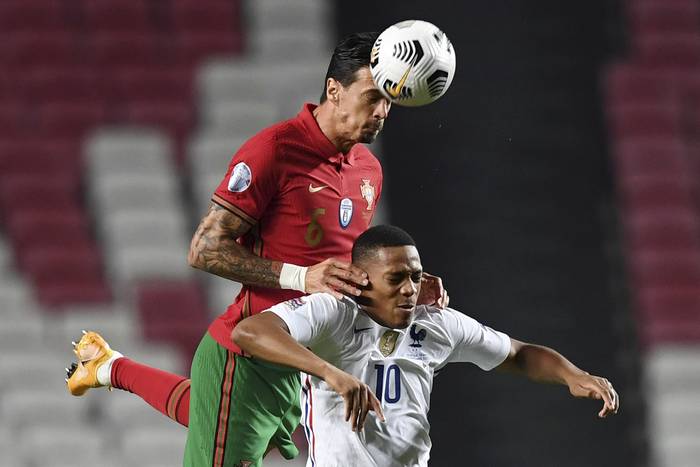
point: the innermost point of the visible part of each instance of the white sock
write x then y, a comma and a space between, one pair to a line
104, 372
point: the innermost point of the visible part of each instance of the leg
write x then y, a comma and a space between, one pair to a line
168, 393
237, 406
99, 366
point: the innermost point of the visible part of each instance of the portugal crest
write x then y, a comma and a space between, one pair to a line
367, 191
387, 343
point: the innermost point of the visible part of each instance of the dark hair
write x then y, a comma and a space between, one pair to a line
352, 53
379, 236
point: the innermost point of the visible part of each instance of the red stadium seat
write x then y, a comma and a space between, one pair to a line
194, 46
667, 304
71, 119
55, 83
669, 268
656, 191
15, 118
38, 47
647, 156
670, 51
116, 50
48, 158
635, 121
118, 15
210, 16
661, 229
74, 264
677, 331
32, 15
38, 192
58, 292
27, 229
173, 84
630, 84
174, 118
173, 312
655, 17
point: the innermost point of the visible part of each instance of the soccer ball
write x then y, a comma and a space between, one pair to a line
413, 63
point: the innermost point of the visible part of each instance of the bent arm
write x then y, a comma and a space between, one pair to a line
214, 249
266, 336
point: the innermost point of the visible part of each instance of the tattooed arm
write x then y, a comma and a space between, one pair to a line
214, 249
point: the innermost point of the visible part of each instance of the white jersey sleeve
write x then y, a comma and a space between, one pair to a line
312, 318
473, 342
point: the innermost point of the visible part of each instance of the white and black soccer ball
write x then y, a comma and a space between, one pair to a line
413, 63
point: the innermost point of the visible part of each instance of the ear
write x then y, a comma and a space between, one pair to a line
333, 88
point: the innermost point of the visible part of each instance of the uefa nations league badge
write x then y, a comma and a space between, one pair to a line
345, 214
240, 179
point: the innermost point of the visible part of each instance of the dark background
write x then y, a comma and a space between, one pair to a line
505, 184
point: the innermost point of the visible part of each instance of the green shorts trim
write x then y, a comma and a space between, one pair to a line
238, 409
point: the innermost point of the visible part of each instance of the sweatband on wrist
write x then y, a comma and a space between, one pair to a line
293, 277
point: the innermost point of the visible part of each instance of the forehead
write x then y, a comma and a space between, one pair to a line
363, 80
398, 258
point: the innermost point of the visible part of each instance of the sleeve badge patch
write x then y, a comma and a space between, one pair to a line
240, 179
294, 303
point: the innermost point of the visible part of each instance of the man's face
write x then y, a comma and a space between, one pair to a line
361, 108
394, 276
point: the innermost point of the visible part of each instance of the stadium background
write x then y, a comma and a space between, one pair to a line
554, 188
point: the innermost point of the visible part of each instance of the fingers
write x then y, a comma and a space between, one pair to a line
349, 404
364, 395
444, 300
335, 277
341, 286
604, 390
349, 273
357, 408
376, 406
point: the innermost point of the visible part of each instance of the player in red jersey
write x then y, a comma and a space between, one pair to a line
295, 194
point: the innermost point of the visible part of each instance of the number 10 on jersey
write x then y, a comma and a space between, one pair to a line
388, 383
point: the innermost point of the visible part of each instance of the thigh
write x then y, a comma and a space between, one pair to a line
262, 410
210, 392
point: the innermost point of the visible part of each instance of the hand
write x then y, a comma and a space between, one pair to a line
432, 292
595, 387
359, 398
335, 277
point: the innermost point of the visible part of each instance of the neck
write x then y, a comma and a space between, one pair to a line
365, 306
325, 117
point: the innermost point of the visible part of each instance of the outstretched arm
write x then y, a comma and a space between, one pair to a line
214, 249
266, 336
545, 365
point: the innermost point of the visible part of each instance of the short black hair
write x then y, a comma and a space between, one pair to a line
377, 237
352, 53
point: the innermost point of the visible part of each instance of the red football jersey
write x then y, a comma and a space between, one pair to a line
306, 201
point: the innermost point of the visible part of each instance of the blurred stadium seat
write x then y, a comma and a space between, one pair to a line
97, 119
652, 102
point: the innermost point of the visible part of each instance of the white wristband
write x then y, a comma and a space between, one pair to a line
293, 277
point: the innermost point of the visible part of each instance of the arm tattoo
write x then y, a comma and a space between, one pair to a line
214, 249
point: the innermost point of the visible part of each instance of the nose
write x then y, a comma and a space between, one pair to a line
409, 289
381, 111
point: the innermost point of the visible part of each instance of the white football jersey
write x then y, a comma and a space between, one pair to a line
398, 364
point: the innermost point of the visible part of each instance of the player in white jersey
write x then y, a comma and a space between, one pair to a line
381, 352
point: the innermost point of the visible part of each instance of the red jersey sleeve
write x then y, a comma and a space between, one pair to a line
252, 178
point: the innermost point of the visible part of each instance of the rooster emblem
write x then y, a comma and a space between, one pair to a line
417, 336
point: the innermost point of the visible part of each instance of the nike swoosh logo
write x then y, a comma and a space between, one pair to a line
395, 90
361, 329
314, 189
